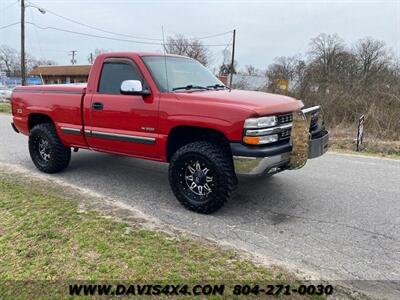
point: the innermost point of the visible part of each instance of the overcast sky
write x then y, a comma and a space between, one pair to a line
265, 29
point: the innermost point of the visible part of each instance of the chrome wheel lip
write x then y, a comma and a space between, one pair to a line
197, 180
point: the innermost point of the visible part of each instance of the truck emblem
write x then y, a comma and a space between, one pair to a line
147, 128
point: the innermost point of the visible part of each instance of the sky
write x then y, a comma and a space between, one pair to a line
264, 29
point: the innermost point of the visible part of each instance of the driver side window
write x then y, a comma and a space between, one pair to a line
114, 73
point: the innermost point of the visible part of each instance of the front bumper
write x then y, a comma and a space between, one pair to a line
303, 145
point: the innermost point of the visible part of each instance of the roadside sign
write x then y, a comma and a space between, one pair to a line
283, 84
360, 132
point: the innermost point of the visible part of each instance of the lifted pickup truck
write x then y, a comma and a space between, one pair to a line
171, 109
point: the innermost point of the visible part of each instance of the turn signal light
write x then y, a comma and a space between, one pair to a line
251, 140
260, 140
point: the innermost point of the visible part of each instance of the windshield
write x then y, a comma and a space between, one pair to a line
179, 73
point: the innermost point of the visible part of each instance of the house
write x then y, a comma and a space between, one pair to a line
62, 74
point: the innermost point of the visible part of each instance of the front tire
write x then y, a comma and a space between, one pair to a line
201, 176
46, 149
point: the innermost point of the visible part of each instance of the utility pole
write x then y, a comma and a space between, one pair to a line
233, 57
91, 60
72, 53
23, 60
23, 71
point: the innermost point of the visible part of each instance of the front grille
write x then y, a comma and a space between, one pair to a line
285, 134
314, 122
282, 120
287, 118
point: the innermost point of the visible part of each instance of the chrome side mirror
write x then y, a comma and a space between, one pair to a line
133, 87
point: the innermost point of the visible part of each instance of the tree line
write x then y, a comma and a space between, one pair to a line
10, 61
348, 81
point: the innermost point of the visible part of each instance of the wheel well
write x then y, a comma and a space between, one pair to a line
36, 119
183, 135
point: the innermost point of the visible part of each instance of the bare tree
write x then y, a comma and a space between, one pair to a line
193, 48
32, 63
226, 68
371, 56
324, 54
250, 70
284, 68
44, 62
9, 60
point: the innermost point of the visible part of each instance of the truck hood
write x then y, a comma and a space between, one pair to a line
258, 102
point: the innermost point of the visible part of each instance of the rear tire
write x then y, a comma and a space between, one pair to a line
202, 176
46, 149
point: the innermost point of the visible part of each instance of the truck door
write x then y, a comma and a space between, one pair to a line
124, 124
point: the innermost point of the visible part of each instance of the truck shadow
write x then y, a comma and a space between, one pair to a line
268, 197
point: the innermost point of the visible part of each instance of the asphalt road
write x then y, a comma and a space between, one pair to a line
339, 216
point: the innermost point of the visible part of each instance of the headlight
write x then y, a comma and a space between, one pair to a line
261, 132
261, 122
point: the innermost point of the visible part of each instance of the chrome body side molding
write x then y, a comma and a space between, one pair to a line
120, 137
69, 130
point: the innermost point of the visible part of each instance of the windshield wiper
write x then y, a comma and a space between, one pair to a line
191, 87
216, 86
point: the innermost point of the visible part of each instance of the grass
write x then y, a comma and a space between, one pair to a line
46, 238
5, 108
343, 141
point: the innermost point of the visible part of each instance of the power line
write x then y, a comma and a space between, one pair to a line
90, 35
204, 37
95, 28
120, 34
9, 25
213, 35
108, 38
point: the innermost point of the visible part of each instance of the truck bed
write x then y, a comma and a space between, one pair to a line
62, 102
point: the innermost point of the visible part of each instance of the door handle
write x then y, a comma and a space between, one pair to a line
97, 105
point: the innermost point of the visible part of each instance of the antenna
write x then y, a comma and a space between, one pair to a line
165, 58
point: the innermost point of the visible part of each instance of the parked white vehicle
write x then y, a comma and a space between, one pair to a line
5, 93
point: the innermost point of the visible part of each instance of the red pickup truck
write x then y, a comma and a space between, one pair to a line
171, 109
